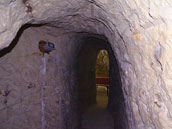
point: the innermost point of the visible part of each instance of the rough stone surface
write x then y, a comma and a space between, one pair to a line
20, 75
140, 36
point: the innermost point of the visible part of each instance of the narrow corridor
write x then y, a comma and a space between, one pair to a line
96, 116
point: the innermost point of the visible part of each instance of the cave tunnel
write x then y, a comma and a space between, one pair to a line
68, 85
53, 90
87, 82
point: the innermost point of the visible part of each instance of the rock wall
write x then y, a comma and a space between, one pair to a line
139, 33
21, 78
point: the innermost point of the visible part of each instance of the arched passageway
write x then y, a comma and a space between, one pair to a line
96, 116
87, 84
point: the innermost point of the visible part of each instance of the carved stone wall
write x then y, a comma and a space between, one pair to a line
139, 33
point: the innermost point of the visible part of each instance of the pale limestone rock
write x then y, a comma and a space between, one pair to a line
140, 34
13, 15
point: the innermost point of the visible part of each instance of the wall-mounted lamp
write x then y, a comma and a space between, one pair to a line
46, 46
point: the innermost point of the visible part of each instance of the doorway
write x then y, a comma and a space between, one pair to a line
102, 78
92, 115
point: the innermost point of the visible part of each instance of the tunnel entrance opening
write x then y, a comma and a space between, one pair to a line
87, 86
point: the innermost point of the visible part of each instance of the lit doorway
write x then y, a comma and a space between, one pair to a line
102, 78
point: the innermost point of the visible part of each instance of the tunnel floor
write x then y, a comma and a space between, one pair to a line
97, 116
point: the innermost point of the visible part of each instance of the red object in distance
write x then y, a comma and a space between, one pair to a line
102, 80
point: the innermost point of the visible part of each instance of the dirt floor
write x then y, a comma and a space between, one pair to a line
96, 116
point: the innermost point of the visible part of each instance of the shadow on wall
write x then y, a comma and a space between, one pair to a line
8, 49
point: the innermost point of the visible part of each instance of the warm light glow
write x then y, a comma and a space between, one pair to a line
102, 64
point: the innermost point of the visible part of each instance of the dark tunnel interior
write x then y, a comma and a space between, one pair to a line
87, 82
